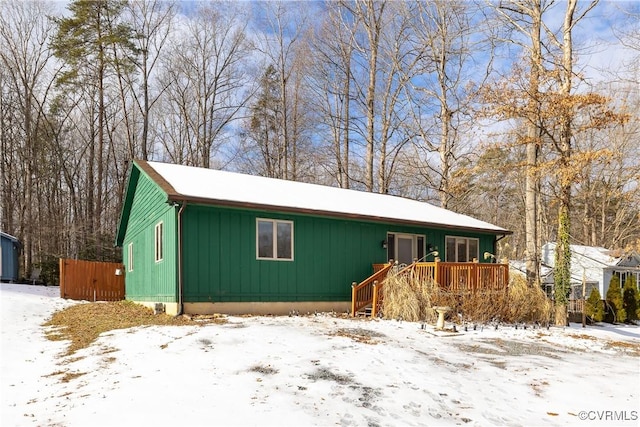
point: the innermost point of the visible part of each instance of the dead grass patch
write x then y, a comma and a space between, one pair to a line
53, 374
360, 335
82, 324
68, 376
624, 347
582, 337
538, 387
264, 370
327, 375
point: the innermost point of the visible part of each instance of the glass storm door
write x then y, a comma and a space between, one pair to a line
404, 249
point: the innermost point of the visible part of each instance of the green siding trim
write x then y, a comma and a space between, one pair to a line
150, 280
220, 263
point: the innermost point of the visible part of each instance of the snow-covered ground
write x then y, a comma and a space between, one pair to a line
314, 370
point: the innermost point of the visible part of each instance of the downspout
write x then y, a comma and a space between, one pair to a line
495, 245
180, 275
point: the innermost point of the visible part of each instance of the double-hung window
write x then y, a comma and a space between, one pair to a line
274, 239
130, 257
461, 249
158, 242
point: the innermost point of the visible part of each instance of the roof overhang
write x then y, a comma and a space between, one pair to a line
174, 196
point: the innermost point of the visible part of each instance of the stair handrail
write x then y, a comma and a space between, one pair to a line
356, 288
377, 287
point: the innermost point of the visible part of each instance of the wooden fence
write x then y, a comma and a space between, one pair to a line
91, 280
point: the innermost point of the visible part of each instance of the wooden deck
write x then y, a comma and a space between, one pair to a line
452, 276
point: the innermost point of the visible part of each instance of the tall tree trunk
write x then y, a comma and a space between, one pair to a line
373, 22
344, 170
532, 182
371, 95
562, 268
444, 150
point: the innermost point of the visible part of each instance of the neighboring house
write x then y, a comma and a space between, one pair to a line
596, 265
546, 279
9, 257
201, 241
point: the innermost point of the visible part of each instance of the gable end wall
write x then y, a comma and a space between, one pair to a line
150, 280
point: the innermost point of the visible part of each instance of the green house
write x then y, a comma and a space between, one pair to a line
203, 241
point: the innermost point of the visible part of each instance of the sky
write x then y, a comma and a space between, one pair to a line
314, 370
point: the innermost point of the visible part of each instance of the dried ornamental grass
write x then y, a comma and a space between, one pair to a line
483, 306
412, 300
528, 304
409, 299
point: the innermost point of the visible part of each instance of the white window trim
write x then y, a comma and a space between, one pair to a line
469, 258
158, 241
274, 225
130, 257
414, 245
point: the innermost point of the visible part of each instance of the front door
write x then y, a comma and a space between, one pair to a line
404, 249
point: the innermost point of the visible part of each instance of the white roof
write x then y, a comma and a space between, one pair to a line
222, 186
9, 236
582, 257
586, 261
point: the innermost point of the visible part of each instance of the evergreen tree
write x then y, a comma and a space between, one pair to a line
264, 128
616, 311
594, 307
630, 298
94, 42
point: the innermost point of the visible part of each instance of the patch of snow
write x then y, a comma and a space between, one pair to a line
314, 370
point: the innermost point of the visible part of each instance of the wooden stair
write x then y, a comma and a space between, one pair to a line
366, 293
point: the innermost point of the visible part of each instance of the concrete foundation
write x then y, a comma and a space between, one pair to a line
256, 308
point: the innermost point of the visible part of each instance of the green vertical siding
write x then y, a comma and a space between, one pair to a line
220, 256
150, 280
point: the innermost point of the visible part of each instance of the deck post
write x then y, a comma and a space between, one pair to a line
374, 303
353, 298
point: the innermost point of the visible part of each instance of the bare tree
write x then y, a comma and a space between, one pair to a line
331, 80
152, 20
526, 18
281, 42
26, 79
204, 75
370, 15
441, 104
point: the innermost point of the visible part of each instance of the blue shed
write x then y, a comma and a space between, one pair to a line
9, 252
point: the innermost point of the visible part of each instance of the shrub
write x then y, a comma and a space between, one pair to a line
594, 308
50, 270
630, 299
615, 308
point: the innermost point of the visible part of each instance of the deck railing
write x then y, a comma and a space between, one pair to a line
575, 306
362, 294
471, 276
451, 276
